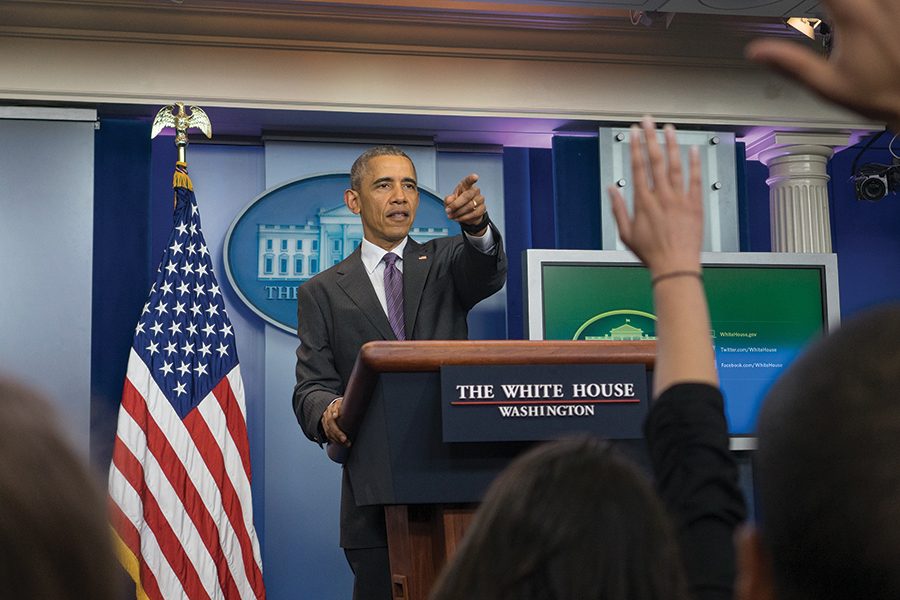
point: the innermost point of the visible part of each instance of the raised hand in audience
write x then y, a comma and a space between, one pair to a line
863, 72
686, 431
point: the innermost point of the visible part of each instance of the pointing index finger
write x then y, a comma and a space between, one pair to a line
467, 182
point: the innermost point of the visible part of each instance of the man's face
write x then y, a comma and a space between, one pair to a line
386, 201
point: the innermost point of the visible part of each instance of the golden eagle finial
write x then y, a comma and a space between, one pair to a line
181, 121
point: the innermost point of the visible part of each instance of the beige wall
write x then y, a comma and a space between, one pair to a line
374, 59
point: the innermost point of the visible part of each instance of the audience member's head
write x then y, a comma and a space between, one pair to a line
569, 520
828, 471
55, 542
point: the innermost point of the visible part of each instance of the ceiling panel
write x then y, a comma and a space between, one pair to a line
809, 7
757, 8
748, 8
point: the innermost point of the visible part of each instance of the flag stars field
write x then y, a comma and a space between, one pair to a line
185, 307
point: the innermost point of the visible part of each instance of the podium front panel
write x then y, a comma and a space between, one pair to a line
398, 456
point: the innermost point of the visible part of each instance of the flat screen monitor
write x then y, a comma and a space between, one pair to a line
765, 308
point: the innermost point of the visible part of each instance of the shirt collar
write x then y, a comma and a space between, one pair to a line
372, 255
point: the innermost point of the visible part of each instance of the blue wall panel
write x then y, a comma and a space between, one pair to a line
544, 203
865, 235
552, 201
121, 267
576, 192
517, 204
753, 207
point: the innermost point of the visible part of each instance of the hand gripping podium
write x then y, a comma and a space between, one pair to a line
430, 489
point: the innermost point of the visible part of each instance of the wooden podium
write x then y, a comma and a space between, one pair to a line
430, 489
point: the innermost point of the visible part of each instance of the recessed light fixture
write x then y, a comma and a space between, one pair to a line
805, 25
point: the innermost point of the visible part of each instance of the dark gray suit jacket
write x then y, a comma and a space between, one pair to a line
339, 312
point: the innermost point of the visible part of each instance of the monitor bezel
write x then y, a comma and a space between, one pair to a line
536, 259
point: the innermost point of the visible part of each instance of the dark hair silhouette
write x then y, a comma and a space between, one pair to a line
569, 520
828, 466
55, 542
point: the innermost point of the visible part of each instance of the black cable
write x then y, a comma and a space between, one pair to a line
864, 148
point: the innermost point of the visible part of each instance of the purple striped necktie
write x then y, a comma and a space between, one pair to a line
393, 292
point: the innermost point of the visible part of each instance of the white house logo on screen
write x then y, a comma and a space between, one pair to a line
618, 325
291, 232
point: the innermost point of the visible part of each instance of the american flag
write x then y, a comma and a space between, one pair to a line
179, 483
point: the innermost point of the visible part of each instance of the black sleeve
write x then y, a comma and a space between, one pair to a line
696, 476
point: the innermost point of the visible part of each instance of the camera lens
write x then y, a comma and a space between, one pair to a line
871, 188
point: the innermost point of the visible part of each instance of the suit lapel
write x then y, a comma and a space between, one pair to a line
417, 261
355, 282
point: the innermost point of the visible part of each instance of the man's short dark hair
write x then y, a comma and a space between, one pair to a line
828, 466
358, 170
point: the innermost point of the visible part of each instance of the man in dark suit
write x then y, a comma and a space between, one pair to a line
390, 288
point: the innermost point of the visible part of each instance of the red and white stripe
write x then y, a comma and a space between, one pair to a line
180, 491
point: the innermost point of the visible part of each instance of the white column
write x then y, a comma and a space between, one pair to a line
798, 187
